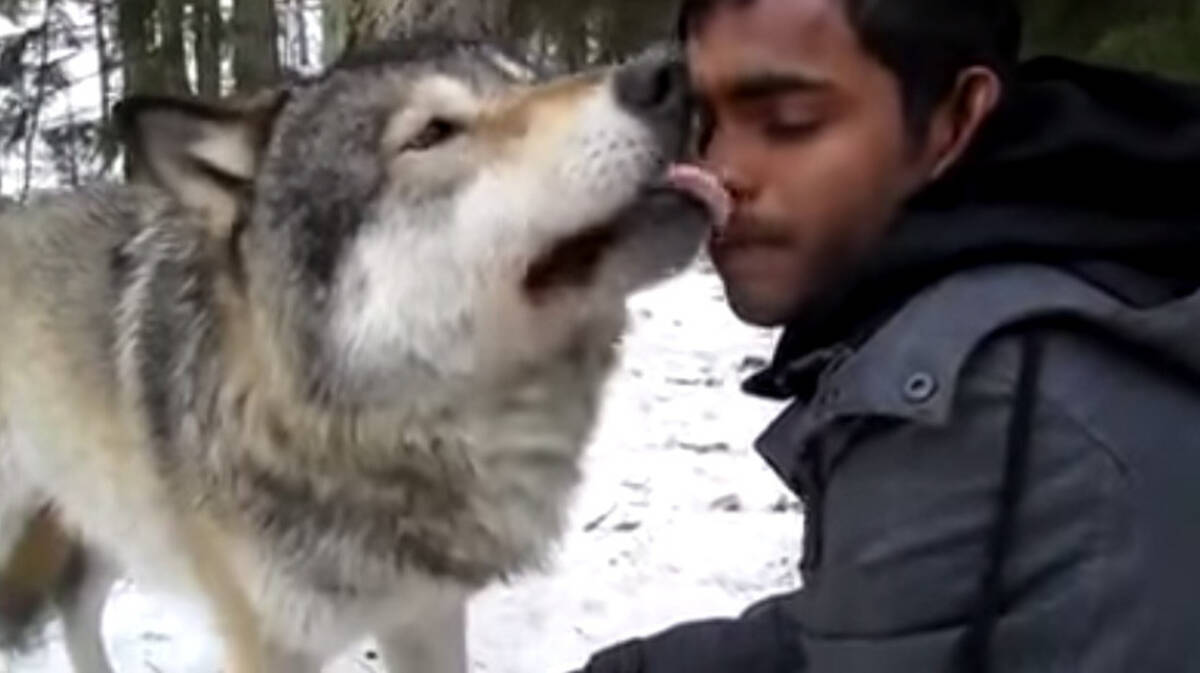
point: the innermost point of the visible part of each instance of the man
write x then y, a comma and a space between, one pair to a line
988, 277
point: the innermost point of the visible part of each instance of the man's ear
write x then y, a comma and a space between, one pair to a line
957, 120
205, 154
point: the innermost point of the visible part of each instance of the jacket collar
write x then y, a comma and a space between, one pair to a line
910, 368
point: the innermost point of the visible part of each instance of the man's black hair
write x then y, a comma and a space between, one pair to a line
925, 43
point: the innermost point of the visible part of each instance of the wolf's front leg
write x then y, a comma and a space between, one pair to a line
206, 549
434, 643
82, 608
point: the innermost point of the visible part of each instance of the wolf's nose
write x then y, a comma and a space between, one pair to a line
654, 86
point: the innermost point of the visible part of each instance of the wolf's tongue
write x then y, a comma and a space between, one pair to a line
705, 188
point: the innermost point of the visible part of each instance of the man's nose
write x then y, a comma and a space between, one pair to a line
725, 161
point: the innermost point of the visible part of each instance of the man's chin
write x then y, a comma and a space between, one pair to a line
758, 308
761, 283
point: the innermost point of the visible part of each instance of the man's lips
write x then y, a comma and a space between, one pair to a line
741, 231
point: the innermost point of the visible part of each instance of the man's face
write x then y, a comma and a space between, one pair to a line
807, 132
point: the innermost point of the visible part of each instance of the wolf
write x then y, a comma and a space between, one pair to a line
327, 362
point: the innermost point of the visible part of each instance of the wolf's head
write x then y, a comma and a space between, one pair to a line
431, 212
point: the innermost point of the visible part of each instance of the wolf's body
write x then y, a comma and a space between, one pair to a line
332, 370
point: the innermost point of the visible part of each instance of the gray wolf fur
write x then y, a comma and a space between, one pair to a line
328, 364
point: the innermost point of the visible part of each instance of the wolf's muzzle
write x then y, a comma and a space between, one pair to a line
654, 88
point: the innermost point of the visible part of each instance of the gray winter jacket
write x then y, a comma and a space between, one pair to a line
1000, 465
901, 466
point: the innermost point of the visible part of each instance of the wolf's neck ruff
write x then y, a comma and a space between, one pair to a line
471, 488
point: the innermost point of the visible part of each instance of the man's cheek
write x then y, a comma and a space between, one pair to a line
815, 172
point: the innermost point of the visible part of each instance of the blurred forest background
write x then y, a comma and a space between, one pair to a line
63, 63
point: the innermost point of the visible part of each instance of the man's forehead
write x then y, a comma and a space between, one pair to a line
808, 38
795, 11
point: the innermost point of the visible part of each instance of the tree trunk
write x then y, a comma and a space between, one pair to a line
255, 45
134, 20
334, 29
31, 132
171, 61
103, 59
71, 158
206, 16
303, 58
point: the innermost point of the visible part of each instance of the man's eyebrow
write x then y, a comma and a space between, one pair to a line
765, 84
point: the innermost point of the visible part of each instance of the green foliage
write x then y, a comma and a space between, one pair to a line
1161, 36
1166, 45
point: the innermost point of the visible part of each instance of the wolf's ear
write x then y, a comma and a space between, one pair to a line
205, 154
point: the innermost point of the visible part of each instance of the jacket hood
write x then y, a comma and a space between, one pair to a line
1092, 170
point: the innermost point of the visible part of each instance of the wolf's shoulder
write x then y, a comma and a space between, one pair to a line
94, 209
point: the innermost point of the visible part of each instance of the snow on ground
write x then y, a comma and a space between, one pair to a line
678, 519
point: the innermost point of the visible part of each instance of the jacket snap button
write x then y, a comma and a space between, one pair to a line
920, 387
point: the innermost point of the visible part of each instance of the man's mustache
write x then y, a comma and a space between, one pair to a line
748, 229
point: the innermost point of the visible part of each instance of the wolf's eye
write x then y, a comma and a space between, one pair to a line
436, 132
